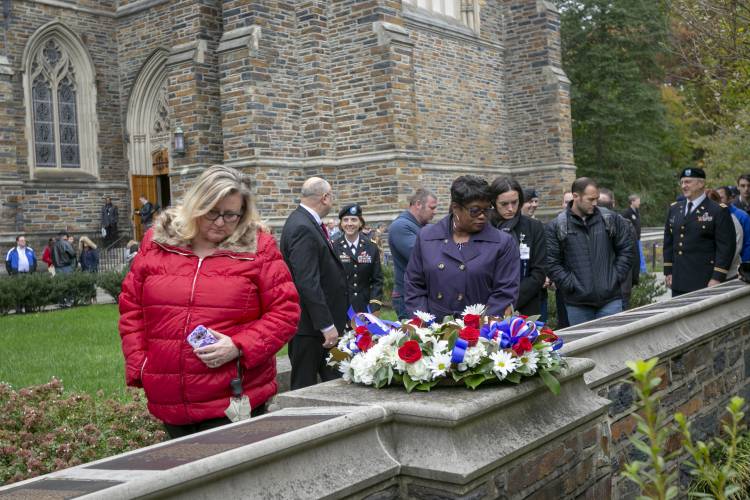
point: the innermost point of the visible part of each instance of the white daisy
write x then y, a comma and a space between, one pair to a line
528, 362
503, 363
425, 317
439, 364
477, 309
474, 355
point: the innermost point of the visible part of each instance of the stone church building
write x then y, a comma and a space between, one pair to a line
377, 96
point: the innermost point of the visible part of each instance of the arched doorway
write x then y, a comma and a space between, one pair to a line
149, 133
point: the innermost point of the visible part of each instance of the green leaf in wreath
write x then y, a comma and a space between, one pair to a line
409, 383
381, 376
473, 381
426, 386
552, 383
514, 377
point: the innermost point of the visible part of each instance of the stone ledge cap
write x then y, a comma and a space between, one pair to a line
245, 37
389, 33
441, 407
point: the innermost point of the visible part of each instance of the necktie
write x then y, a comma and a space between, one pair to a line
689, 208
325, 231
353, 249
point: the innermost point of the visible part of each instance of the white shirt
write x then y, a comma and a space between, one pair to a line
349, 244
23, 262
695, 203
313, 213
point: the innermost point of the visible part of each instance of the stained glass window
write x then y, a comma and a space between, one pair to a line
44, 127
55, 114
66, 105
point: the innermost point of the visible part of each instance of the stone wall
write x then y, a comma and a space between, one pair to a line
703, 343
77, 197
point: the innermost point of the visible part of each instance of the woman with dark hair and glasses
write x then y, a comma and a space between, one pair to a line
528, 234
463, 260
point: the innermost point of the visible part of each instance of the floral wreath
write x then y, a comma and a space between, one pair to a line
470, 350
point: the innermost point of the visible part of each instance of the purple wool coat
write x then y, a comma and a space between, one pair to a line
443, 280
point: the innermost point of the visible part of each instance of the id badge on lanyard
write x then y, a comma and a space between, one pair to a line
525, 252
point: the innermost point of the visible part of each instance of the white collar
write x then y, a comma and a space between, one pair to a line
696, 202
349, 244
313, 213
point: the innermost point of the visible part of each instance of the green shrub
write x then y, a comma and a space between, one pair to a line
387, 283
38, 290
646, 291
43, 429
111, 282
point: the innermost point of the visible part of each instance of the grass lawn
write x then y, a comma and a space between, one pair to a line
80, 346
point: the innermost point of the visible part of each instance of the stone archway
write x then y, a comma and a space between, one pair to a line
149, 135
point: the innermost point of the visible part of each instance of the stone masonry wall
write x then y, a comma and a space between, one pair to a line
61, 200
698, 380
459, 89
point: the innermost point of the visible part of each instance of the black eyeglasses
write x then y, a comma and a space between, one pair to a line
477, 211
228, 217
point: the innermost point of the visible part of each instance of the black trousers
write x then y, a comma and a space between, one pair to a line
178, 431
308, 358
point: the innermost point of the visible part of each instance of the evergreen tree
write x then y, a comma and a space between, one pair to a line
612, 52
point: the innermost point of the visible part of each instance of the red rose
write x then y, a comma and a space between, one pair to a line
416, 322
470, 334
523, 345
410, 352
361, 329
364, 342
471, 320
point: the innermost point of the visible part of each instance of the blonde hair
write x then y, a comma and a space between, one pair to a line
215, 184
85, 241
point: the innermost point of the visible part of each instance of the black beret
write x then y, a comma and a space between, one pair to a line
529, 193
353, 209
698, 173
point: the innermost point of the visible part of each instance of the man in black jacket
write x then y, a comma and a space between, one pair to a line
589, 252
321, 284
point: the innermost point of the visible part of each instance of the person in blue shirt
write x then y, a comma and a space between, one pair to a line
21, 258
728, 196
402, 235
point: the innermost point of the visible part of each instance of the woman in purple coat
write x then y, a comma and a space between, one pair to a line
463, 260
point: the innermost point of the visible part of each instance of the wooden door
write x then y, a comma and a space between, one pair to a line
142, 184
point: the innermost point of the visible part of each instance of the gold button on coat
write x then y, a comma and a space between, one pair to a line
441, 266
440, 295
462, 267
460, 297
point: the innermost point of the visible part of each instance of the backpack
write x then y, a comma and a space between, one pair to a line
561, 222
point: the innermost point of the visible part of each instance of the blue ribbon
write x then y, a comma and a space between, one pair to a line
459, 351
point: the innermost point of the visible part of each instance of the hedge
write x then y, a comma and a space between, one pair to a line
39, 290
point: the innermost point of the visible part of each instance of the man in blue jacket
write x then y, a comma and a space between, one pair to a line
21, 258
402, 234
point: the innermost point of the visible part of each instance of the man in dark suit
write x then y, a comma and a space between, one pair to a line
699, 238
321, 283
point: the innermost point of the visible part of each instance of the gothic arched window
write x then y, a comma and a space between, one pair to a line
465, 11
61, 102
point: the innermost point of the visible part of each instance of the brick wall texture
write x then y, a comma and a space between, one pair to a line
376, 97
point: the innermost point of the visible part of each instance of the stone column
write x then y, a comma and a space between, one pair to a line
11, 196
540, 140
193, 88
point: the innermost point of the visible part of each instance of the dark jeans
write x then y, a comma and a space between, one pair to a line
178, 431
308, 358
582, 314
562, 313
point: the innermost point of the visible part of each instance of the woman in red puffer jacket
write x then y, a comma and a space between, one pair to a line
207, 262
